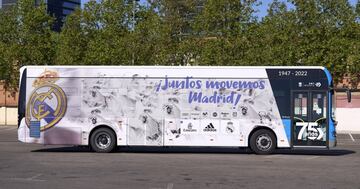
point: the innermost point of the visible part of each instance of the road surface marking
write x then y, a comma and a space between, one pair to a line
7, 128
33, 178
352, 138
312, 157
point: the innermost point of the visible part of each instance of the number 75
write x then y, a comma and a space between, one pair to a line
310, 126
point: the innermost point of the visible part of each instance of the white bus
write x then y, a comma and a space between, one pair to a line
263, 108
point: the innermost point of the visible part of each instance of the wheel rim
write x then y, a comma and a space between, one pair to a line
263, 142
103, 141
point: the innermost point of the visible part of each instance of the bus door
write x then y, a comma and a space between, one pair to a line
309, 118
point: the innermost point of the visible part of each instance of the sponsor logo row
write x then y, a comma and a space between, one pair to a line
209, 126
243, 110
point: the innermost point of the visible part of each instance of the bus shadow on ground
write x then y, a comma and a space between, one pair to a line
200, 150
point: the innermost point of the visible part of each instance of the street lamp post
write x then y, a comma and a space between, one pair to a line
133, 28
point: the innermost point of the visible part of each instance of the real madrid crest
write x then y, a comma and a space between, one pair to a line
47, 102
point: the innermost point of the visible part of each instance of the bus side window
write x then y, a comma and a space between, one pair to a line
300, 105
282, 101
281, 89
319, 106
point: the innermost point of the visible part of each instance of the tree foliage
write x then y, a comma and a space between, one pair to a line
25, 39
185, 32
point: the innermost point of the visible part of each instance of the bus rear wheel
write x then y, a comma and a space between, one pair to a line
263, 142
103, 140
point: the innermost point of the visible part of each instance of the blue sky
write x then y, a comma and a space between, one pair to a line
262, 9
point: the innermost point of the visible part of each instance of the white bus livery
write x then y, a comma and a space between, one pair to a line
263, 108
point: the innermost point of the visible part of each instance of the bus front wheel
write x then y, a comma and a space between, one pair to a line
263, 141
103, 140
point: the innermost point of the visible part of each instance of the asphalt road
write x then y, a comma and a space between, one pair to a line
39, 167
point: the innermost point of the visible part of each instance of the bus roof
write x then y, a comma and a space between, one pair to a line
249, 72
175, 67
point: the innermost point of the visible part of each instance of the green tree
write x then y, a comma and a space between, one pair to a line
353, 35
8, 36
150, 38
196, 32
26, 38
111, 43
273, 40
71, 42
174, 23
222, 28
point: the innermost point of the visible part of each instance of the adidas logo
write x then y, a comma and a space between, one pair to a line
210, 128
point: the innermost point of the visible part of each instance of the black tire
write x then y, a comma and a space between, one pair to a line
103, 140
263, 142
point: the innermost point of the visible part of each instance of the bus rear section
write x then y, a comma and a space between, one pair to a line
305, 101
258, 107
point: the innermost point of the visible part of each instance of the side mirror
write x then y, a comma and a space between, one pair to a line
348, 94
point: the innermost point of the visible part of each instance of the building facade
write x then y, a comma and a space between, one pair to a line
7, 3
59, 9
